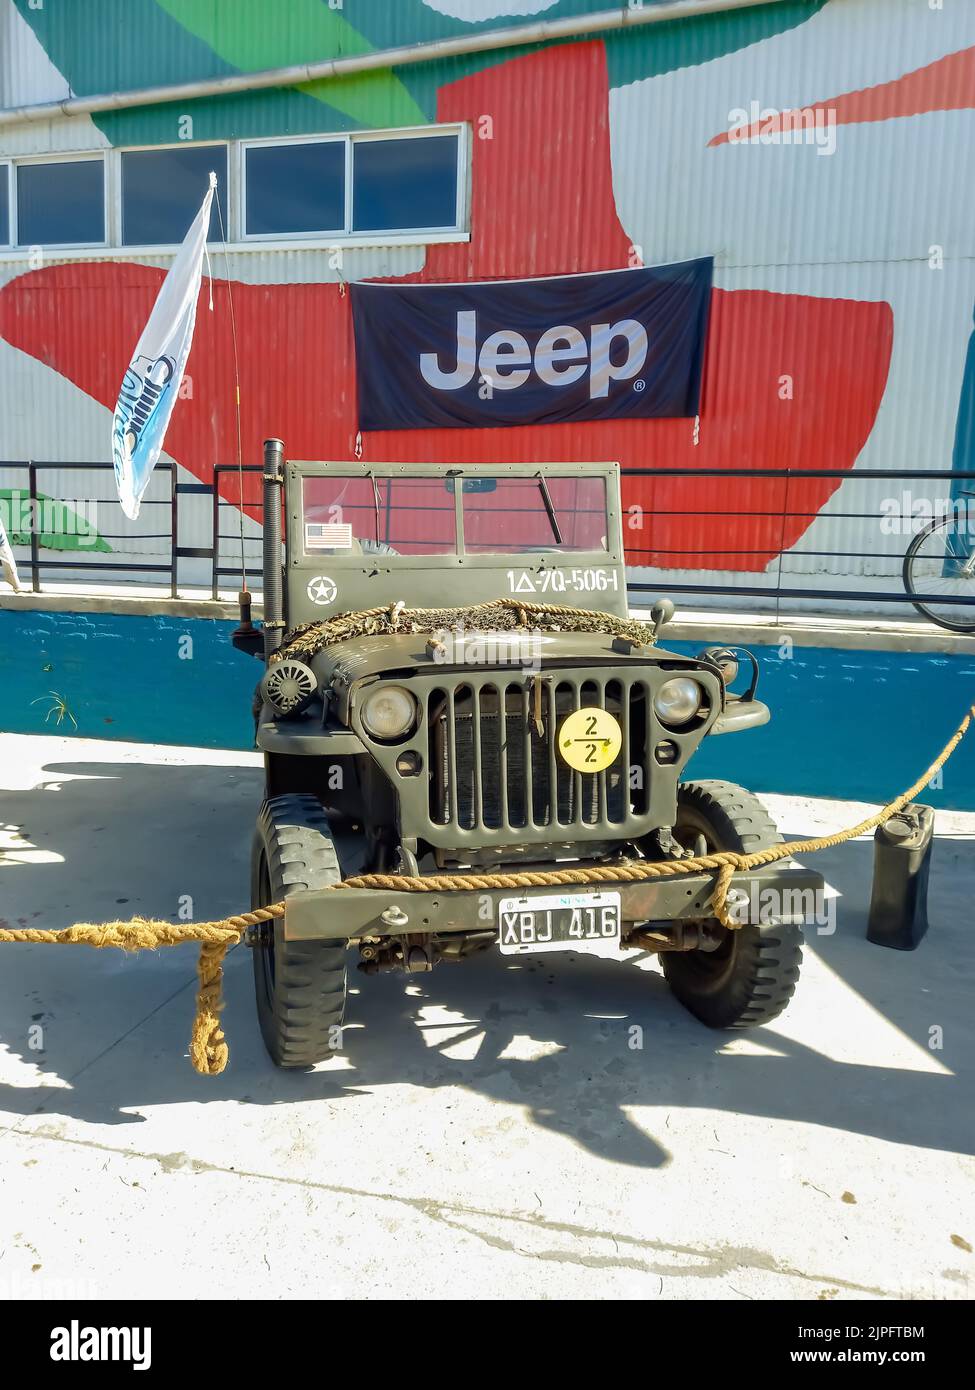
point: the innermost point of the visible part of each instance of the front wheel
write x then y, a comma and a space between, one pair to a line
300, 985
750, 977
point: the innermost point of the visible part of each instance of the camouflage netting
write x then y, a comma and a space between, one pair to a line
500, 615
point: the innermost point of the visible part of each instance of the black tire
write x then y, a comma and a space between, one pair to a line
300, 985
964, 621
752, 975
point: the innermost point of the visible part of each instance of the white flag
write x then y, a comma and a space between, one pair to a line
7, 562
153, 377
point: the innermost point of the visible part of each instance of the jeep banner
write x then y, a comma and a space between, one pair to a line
615, 344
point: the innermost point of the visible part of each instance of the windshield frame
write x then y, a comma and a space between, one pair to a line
610, 554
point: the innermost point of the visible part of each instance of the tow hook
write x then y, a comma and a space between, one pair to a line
259, 934
418, 959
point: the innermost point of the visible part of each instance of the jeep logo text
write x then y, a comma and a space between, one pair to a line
561, 356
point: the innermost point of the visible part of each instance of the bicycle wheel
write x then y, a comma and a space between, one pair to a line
940, 565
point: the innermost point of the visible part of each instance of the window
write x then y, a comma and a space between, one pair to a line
404, 183
295, 188
352, 185
411, 516
62, 203
162, 191
512, 515
370, 187
4, 204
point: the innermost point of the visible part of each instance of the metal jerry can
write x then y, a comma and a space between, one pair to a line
902, 858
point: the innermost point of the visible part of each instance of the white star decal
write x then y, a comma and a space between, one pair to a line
322, 590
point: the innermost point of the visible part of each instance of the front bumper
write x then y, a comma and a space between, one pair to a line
783, 892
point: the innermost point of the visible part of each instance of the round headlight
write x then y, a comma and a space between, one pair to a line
678, 700
389, 712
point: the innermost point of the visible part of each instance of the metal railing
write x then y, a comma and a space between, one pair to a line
768, 508
24, 480
218, 569
37, 497
775, 589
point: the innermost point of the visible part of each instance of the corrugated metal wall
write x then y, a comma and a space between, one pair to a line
844, 267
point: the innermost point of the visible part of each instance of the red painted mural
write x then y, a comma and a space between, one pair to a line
948, 84
789, 380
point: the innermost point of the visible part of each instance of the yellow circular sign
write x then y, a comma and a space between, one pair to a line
589, 740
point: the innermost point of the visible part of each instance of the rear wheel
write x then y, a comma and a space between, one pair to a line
300, 985
751, 976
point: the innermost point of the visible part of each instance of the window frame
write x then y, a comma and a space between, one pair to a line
74, 157
6, 172
307, 563
376, 476
236, 237
347, 235
550, 476
142, 248
328, 236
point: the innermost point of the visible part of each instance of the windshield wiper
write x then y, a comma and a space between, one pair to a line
549, 507
376, 502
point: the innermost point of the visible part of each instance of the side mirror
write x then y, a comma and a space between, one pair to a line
661, 614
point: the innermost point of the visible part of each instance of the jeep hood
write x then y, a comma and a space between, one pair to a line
389, 654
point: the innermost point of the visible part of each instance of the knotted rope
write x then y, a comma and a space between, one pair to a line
208, 1047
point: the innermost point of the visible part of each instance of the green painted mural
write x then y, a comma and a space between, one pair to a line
168, 41
56, 525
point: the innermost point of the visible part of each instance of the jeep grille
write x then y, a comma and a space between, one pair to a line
491, 770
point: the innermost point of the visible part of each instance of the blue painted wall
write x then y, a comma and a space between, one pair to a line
149, 679
857, 725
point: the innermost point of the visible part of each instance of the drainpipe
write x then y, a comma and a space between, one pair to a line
631, 14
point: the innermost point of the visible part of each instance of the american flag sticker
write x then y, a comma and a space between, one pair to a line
328, 535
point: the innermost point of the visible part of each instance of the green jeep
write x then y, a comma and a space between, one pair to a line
454, 688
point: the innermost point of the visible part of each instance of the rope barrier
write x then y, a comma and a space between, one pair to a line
209, 1051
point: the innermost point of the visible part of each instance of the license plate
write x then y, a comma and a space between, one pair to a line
560, 922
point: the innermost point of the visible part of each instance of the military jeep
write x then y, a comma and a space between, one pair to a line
454, 687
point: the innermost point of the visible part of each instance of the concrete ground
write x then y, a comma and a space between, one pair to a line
491, 1130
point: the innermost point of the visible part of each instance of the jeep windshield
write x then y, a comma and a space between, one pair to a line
499, 515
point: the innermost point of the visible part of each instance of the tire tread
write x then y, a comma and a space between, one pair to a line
768, 957
309, 991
